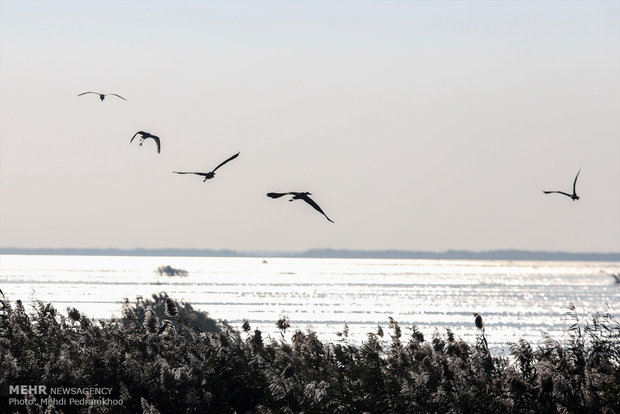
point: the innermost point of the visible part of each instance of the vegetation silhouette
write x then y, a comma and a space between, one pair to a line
478, 321
158, 358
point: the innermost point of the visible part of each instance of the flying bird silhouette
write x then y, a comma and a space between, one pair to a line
210, 174
573, 196
146, 135
301, 196
103, 95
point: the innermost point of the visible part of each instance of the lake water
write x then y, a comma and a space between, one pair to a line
517, 299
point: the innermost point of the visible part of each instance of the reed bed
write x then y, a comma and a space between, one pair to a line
163, 356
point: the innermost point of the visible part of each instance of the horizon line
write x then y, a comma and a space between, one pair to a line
451, 254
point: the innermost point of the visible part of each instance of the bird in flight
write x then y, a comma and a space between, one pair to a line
103, 95
146, 135
301, 196
210, 174
573, 196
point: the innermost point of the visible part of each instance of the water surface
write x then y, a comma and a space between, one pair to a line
518, 299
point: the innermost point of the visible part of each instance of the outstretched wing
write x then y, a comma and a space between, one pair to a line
189, 172
156, 139
134, 135
315, 206
118, 96
559, 192
84, 93
230, 159
575, 182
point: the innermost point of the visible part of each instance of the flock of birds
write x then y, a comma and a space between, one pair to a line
305, 196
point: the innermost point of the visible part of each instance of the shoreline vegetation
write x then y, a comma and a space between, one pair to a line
509, 254
162, 356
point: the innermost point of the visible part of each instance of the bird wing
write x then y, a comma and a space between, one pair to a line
575, 182
559, 192
315, 206
118, 96
134, 135
156, 139
189, 172
84, 93
230, 159
276, 195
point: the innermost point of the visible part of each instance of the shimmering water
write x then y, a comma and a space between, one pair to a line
517, 299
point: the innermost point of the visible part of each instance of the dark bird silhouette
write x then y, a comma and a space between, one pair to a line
210, 174
573, 196
103, 95
301, 196
616, 278
478, 321
146, 135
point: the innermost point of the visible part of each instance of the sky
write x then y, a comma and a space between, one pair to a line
416, 125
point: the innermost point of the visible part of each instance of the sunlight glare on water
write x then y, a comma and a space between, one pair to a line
517, 299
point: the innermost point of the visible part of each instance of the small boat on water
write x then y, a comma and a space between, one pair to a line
170, 271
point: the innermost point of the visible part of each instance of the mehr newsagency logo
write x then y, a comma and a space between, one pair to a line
31, 395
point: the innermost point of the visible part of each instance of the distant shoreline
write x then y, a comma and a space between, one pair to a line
329, 254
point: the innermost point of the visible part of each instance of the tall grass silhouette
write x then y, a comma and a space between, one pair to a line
163, 356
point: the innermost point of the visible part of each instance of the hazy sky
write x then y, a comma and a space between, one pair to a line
415, 125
